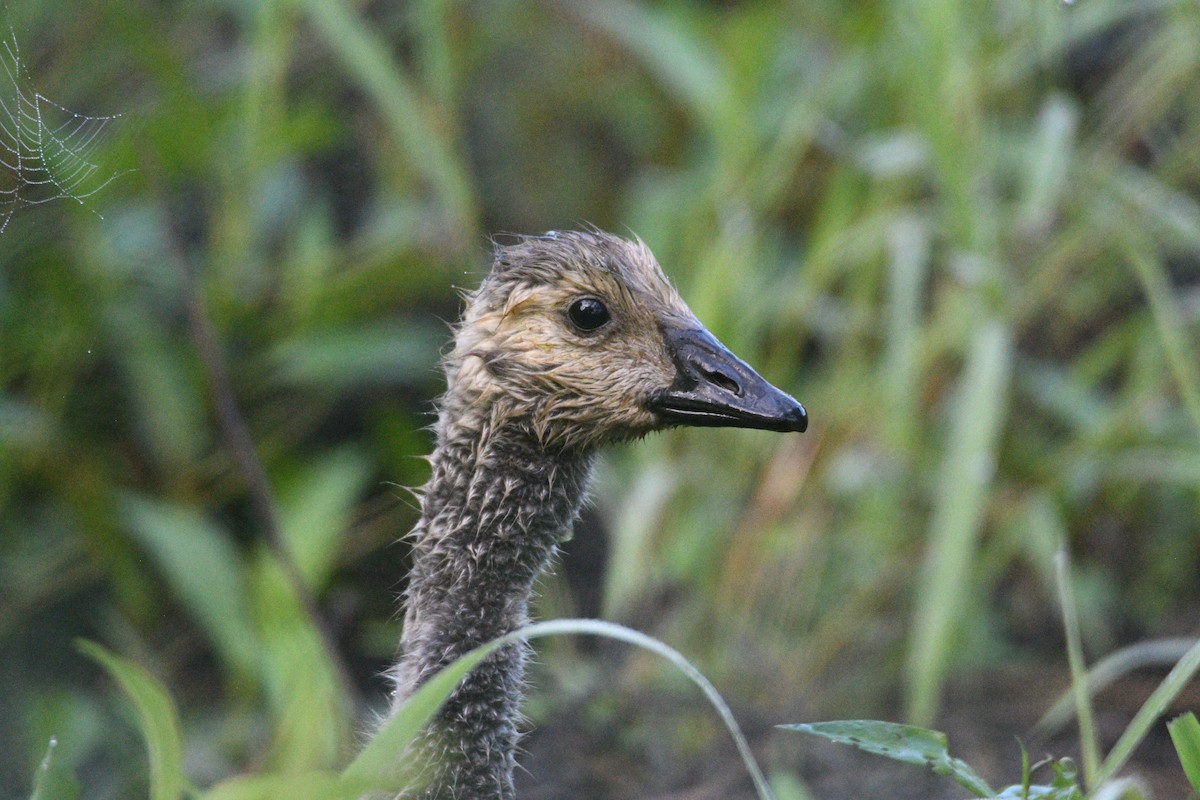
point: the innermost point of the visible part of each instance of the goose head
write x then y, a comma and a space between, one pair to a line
579, 338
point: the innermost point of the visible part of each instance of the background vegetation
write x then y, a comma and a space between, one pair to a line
966, 235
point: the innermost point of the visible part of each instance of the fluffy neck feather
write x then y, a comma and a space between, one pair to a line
493, 512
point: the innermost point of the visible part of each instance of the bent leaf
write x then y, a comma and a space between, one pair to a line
156, 715
906, 743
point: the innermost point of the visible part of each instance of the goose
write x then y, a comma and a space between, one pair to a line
573, 340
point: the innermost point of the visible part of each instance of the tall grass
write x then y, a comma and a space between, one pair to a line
966, 237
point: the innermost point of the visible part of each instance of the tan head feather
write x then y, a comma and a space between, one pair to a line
519, 356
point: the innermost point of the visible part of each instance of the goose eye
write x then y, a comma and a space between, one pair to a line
588, 314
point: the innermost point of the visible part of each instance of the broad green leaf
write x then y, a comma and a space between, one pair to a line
906, 743
204, 571
157, 716
53, 781
1185, 734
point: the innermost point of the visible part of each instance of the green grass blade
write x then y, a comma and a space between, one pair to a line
366, 58
1151, 710
1185, 734
157, 716
1026, 770
680, 62
962, 491
431, 20
316, 505
1088, 739
1049, 163
907, 743
1172, 215
377, 764
909, 244
1172, 329
53, 782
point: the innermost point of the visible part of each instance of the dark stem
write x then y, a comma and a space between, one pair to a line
236, 435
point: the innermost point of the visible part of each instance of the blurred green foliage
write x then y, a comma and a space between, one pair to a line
966, 235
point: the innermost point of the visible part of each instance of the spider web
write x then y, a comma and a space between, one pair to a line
45, 149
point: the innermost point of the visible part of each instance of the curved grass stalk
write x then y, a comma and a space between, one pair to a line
376, 764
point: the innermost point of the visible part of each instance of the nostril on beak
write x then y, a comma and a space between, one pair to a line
723, 381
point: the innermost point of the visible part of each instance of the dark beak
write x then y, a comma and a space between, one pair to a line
715, 388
